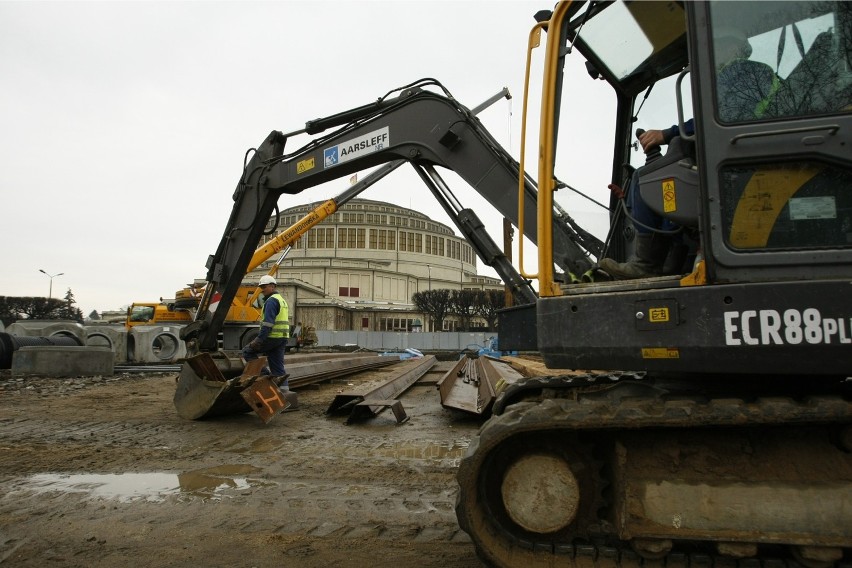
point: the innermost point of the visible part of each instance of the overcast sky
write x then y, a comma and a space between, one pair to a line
123, 125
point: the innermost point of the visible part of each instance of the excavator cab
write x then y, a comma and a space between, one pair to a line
763, 185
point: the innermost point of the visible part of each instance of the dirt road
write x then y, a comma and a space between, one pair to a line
102, 472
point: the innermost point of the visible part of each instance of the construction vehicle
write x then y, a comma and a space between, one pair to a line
151, 313
706, 417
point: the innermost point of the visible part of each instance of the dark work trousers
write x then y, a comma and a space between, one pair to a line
274, 349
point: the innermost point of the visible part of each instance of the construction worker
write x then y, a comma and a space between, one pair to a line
274, 332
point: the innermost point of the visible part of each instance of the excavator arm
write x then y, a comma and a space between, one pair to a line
419, 126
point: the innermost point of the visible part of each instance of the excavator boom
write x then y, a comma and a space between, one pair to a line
418, 126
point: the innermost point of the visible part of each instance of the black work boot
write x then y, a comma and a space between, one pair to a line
647, 260
283, 382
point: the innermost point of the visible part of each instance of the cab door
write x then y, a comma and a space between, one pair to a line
772, 89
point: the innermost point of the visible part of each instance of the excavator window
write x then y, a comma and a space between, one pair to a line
787, 206
141, 313
633, 44
781, 59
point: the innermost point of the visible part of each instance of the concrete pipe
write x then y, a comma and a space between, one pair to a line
112, 337
155, 344
10, 343
47, 328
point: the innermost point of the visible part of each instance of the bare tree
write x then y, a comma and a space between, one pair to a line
433, 303
487, 304
463, 304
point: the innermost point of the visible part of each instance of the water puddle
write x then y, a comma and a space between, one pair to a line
212, 483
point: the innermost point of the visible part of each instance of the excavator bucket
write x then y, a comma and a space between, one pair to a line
264, 397
209, 387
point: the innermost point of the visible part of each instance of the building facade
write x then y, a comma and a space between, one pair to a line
358, 269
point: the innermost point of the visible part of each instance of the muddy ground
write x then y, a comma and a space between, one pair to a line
101, 471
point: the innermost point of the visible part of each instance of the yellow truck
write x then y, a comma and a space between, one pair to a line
244, 309
150, 313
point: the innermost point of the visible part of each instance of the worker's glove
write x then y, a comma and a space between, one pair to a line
256, 344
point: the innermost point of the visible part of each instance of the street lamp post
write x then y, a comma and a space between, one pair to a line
51, 276
429, 268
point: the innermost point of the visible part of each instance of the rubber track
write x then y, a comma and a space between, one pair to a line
597, 412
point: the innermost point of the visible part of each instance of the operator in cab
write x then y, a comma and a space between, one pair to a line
274, 332
746, 90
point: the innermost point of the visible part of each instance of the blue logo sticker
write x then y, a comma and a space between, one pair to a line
330, 157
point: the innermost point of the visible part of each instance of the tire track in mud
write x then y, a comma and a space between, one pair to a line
423, 454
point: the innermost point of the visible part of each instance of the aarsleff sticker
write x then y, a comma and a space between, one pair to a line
357, 147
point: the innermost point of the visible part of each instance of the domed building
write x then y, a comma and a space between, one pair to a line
358, 269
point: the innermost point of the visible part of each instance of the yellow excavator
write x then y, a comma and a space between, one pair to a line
699, 414
711, 426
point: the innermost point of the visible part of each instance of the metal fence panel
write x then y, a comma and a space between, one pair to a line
393, 341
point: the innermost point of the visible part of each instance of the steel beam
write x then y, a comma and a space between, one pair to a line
368, 400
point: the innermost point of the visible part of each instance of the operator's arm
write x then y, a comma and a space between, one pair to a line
651, 138
270, 312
